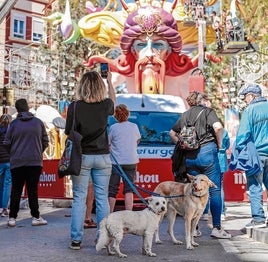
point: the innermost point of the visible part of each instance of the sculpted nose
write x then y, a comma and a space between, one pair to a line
147, 51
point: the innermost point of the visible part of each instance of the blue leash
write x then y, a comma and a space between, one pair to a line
121, 173
124, 176
156, 194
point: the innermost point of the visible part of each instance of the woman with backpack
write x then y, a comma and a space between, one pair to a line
204, 159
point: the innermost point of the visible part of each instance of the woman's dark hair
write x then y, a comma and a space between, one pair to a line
5, 120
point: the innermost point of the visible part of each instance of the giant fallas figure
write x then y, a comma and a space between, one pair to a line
149, 36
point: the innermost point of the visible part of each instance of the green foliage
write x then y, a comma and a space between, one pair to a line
70, 57
256, 23
255, 27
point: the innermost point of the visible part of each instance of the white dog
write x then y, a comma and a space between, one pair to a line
142, 223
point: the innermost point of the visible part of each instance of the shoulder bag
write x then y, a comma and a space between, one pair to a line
71, 159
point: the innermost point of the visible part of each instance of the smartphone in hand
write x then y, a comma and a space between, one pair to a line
104, 70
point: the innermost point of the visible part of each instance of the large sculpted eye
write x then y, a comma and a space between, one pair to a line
160, 44
139, 45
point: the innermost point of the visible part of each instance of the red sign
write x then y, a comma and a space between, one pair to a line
50, 186
150, 173
234, 184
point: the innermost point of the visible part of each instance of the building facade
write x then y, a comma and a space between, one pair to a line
23, 69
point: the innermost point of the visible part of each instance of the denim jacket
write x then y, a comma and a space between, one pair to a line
254, 126
247, 160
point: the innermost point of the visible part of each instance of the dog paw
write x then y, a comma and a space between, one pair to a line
110, 251
151, 254
121, 255
195, 244
189, 247
158, 241
177, 242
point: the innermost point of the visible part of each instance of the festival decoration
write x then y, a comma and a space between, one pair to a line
68, 28
151, 36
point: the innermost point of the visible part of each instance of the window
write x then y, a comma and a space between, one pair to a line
154, 126
38, 30
19, 26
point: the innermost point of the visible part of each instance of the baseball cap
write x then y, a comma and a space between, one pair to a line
251, 88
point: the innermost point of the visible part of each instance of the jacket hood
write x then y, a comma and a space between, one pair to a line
25, 116
3, 130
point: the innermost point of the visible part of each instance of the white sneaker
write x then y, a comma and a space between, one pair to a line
220, 233
38, 221
11, 222
5, 213
204, 217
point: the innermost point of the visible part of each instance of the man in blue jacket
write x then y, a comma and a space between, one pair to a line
254, 128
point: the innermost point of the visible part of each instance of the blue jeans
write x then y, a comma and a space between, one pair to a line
222, 200
5, 184
254, 188
206, 162
98, 169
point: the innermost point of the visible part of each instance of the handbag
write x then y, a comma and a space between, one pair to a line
71, 159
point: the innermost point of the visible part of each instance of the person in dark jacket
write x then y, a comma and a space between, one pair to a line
26, 139
5, 175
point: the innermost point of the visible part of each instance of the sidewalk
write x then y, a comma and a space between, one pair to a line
237, 213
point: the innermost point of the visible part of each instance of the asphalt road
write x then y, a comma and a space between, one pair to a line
50, 243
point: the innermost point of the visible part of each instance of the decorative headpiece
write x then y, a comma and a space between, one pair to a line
149, 20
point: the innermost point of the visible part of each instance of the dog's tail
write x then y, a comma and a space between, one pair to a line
104, 238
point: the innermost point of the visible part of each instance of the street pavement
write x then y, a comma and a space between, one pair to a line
26, 243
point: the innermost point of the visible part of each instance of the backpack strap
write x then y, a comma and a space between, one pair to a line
187, 121
198, 116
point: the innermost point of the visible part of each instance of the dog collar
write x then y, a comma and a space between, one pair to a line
150, 209
193, 192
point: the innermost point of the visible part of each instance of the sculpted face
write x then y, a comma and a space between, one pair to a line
148, 48
150, 23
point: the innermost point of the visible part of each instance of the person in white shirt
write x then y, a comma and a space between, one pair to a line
124, 137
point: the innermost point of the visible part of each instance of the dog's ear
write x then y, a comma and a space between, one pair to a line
149, 199
211, 184
191, 178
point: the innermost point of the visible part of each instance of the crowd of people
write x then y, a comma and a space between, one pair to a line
23, 141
